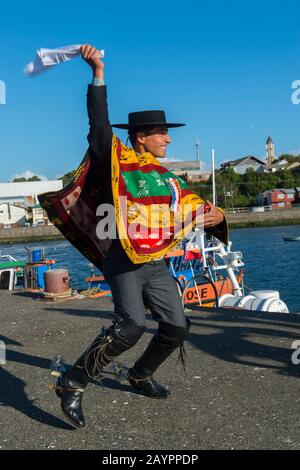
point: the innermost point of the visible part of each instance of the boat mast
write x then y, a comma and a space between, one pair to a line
197, 145
213, 176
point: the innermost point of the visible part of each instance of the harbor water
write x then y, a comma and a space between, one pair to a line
270, 262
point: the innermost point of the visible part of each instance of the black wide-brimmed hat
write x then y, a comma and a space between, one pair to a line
144, 119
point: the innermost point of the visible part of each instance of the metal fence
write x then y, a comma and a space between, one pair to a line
234, 210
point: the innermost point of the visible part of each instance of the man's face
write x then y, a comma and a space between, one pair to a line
155, 141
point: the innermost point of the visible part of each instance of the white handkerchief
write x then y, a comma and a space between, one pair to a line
46, 58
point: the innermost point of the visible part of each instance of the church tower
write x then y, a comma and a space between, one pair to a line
270, 152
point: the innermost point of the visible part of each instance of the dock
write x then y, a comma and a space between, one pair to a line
240, 389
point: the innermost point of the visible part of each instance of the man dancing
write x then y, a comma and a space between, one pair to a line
133, 265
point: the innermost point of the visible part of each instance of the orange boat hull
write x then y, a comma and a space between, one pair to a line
206, 292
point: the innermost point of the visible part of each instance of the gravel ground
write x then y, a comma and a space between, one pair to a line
240, 391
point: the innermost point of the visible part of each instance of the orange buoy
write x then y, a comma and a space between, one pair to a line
57, 281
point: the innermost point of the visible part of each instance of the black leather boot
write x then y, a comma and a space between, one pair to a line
147, 386
167, 339
110, 343
71, 400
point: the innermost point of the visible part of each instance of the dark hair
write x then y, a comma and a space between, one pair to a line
132, 136
133, 132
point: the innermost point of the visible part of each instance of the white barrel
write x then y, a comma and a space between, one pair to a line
274, 305
230, 301
227, 300
245, 301
253, 303
250, 302
265, 294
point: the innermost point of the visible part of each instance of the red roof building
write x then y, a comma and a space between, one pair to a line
277, 198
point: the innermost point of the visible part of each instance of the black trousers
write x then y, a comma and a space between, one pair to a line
135, 285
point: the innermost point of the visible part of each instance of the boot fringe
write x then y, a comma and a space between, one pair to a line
182, 357
61, 389
96, 360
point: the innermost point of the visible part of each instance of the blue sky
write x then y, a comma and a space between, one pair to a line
224, 68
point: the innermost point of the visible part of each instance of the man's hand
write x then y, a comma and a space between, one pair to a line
92, 56
213, 217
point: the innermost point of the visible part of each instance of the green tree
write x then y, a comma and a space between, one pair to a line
34, 178
19, 180
248, 186
22, 179
67, 178
289, 158
203, 189
230, 176
240, 200
286, 179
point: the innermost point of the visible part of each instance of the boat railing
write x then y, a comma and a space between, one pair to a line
8, 257
181, 268
237, 209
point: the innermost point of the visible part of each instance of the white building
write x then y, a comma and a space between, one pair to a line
38, 215
11, 214
280, 165
192, 171
241, 165
19, 193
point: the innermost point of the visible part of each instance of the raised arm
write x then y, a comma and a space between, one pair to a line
100, 133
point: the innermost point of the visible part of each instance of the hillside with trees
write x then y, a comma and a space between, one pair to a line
22, 179
235, 190
67, 178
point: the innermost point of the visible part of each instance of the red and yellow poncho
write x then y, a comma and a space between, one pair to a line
154, 209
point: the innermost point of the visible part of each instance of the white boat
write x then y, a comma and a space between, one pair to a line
292, 238
225, 290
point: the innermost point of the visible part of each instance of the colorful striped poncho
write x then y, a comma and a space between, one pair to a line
154, 209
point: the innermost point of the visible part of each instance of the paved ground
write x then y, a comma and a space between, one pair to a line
241, 390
